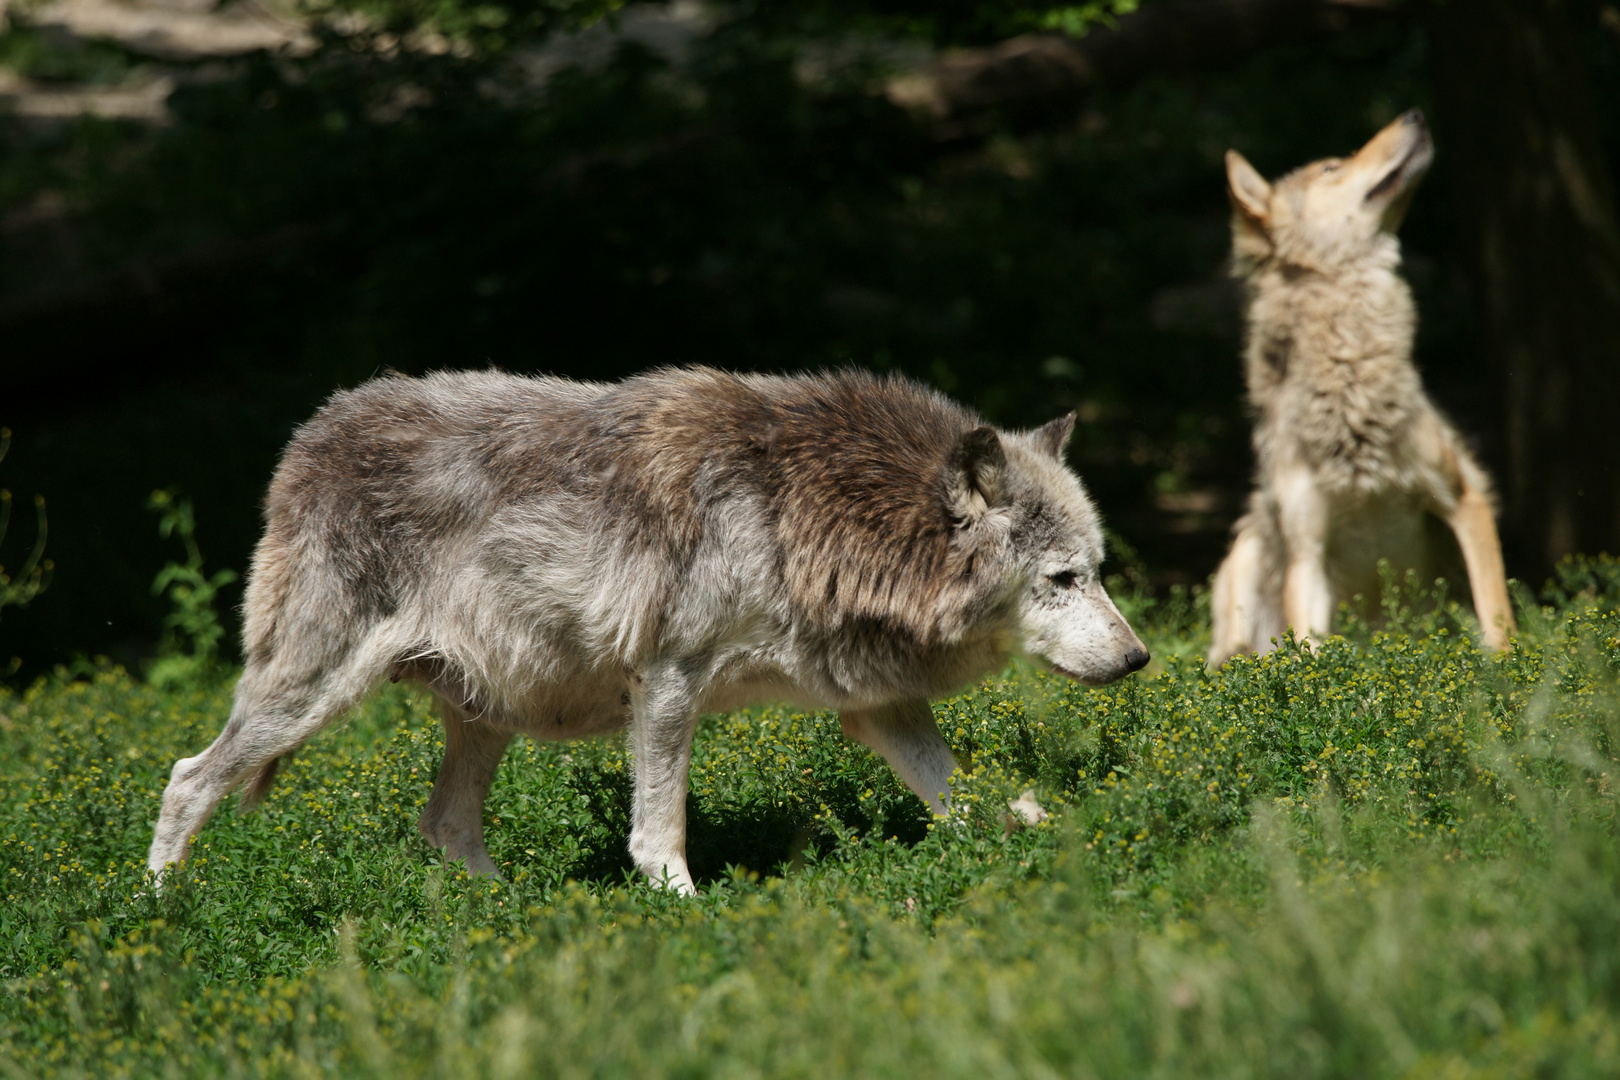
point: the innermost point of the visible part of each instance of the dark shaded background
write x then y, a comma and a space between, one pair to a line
1046, 231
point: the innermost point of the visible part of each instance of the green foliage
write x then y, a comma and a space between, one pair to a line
1076, 19
189, 649
1394, 856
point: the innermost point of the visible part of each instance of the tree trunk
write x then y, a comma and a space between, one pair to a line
1537, 214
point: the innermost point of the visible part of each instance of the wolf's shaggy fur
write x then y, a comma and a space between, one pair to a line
562, 559
1352, 455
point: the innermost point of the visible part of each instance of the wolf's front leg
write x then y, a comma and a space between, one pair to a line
1245, 603
663, 704
908, 739
1302, 516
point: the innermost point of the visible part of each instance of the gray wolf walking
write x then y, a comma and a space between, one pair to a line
1352, 456
563, 559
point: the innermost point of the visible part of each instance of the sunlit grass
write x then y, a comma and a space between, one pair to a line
1392, 857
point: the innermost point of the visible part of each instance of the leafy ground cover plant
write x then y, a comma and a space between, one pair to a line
189, 649
1394, 856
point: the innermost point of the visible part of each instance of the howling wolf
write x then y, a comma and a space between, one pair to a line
1352, 455
563, 559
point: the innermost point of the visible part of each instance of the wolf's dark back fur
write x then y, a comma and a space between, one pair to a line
848, 467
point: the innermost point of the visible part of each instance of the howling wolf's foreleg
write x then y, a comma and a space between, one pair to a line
663, 718
1475, 525
1302, 517
908, 739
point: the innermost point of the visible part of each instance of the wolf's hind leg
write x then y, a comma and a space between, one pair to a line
1475, 525
908, 739
276, 708
454, 818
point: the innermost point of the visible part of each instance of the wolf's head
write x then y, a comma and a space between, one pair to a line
1330, 213
1017, 486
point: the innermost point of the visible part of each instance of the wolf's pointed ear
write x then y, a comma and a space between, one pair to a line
1251, 195
974, 474
1251, 212
1050, 438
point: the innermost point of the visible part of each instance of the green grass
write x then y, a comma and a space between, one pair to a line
1395, 856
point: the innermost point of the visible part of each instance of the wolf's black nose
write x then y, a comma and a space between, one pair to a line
1412, 117
1137, 659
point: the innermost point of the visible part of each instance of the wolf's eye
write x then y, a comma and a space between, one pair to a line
1329, 166
1063, 579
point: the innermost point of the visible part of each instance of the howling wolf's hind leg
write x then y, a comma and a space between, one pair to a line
1475, 525
275, 710
454, 818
